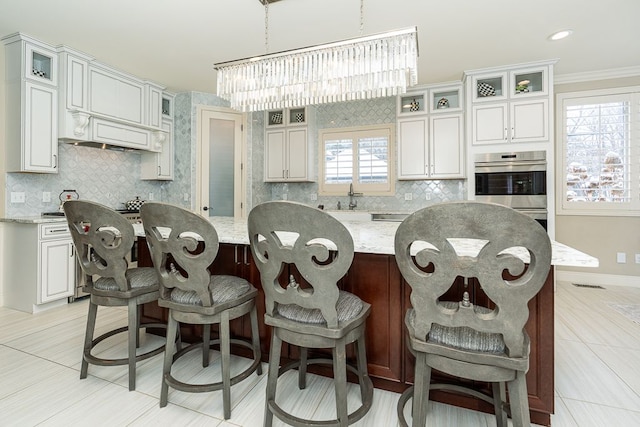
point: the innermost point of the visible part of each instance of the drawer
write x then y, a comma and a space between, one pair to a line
54, 231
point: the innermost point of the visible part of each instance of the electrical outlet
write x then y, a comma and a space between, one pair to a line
186, 197
150, 198
637, 258
284, 196
428, 196
18, 197
621, 257
46, 196
314, 197
408, 196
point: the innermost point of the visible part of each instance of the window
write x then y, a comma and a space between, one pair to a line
599, 149
359, 156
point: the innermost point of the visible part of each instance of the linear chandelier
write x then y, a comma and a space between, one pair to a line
367, 67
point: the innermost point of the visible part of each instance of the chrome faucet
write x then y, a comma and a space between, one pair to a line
352, 202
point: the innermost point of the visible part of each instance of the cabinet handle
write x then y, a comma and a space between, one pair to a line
73, 250
505, 134
245, 256
159, 170
513, 133
235, 254
55, 161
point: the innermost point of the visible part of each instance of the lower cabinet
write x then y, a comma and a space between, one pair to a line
40, 268
375, 278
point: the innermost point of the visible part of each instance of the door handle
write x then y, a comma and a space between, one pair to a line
205, 208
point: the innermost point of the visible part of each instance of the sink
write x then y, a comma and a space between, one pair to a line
394, 217
350, 215
367, 216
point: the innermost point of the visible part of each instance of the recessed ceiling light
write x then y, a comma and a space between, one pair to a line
560, 35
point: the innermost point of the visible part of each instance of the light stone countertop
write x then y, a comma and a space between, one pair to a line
375, 237
378, 237
35, 219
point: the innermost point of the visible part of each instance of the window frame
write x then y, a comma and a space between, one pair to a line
354, 133
631, 208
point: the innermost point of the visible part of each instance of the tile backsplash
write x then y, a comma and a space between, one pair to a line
105, 176
113, 177
340, 115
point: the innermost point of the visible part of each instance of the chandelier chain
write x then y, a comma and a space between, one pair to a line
266, 27
361, 17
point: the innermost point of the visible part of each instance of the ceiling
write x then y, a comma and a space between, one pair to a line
176, 42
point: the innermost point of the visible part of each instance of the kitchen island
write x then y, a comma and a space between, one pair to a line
374, 277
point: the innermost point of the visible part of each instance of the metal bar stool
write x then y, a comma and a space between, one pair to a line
183, 245
475, 342
319, 316
103, 238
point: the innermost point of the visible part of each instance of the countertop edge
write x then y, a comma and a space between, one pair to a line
376, 237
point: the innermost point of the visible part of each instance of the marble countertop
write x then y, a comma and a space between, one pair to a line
35, 219
378, 237
368, 236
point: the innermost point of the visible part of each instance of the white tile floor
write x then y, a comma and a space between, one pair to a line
597, 375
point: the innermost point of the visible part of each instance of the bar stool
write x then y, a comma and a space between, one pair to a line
103, 238
287, 234
461, 339
183, 245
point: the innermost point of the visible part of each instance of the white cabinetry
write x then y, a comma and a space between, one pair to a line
40, 265
159, 166
101, 105
286, 153
31, 105
510, 105
430, 145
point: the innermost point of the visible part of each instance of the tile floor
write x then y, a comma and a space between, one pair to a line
597, 375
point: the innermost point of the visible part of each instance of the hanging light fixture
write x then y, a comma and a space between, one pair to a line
366, 67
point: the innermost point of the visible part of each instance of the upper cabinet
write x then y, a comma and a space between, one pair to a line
430, 133
31, 98
287, 157
510, 104
99, 104
159, 165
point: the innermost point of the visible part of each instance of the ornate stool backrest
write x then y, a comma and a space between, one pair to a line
102, 237
183, 245
430, 264
319, 246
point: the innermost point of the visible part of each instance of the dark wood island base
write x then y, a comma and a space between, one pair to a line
376, 279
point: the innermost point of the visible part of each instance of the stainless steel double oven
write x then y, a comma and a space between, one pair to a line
517, 180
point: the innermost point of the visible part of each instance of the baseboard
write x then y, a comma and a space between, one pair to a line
597, 279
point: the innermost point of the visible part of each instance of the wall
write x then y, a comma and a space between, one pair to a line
104, 176
341, 115
2, 172
600, 236
338, 115
185, 140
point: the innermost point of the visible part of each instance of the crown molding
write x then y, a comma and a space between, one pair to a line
615, 73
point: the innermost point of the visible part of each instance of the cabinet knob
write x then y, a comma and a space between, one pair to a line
205, 208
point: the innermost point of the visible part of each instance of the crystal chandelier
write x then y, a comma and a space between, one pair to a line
366, 67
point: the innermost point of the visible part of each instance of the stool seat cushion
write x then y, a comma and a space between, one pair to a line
138, 278
223, 288
348, 307
463, 337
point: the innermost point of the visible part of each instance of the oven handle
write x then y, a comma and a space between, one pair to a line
510, 167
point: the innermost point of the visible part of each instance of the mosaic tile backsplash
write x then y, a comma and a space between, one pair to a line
104, 176
113, 177
349, 114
